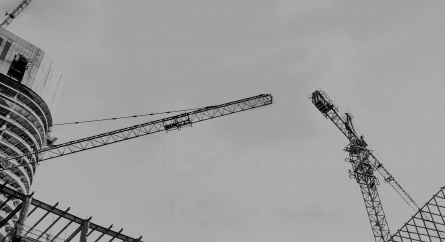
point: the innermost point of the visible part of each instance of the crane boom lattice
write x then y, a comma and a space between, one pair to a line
165, 124
14, 13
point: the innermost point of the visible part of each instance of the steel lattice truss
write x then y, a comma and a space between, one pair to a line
364, 164
363, 172
166, 124
427, 225
14, 13
327, 107
44, 228
376, 214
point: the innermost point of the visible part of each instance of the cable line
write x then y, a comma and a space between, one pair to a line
173, 189
124, 117
162, 199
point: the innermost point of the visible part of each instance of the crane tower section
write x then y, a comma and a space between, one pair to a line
28, 86
361, 160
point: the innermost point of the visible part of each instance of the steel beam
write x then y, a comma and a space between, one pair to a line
102, 235
23, 213
115, 237
66, 226
32, 211
83, 234
11, 214
91, 231
74, 234
51, 225
67, 216
4, 203
9, 198
40, 220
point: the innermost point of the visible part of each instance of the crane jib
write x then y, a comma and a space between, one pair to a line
14, 13
165, 124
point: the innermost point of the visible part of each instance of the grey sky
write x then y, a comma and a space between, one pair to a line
275, 173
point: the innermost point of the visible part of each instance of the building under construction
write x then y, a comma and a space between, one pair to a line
28, 87
29, 84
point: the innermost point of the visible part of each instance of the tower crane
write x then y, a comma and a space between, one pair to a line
165, 124
14, 13
364, 164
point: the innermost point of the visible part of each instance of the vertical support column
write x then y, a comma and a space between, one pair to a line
83, 233
23, 215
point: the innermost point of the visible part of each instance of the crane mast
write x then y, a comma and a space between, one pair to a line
10, 16
364, 164
165, 124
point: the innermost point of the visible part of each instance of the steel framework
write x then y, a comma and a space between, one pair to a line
363, 173
427, 225
166, 124
32, 232
364, 164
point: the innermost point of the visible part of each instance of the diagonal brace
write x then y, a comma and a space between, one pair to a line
11, 214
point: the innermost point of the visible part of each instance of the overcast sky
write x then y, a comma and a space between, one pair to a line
276, 173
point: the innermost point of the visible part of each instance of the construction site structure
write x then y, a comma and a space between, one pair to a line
29, 87
22, 232
427, 224
17, 216
14, 225
29, 84
364, 165
166, 124
40, 230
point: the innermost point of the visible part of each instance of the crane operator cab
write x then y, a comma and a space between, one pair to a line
361, 142
321, 102
357, 146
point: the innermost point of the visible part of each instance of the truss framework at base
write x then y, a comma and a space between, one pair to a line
35, 233
427, 225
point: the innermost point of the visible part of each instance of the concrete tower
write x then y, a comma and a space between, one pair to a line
28, 87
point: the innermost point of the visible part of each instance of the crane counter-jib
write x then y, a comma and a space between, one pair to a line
165, 124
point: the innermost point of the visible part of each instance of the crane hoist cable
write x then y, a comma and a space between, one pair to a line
173, 188
162, 194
